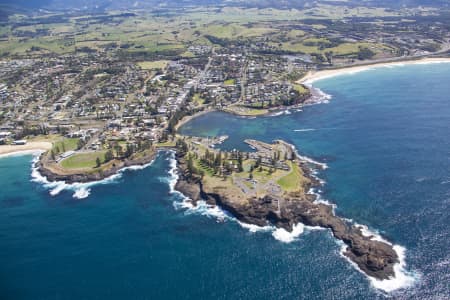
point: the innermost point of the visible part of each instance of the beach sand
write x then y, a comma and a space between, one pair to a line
30, 147
317, 75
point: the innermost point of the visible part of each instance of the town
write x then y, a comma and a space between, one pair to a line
103, 97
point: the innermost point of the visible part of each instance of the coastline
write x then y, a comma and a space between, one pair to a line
80, 176
289, 212
313, 76
218, 200
186, 119
29, 148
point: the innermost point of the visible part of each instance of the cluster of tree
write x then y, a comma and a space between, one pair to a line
130, 149
150, 55
32, 130
365, 53
176, 117
218, 160
218, 41
182, 147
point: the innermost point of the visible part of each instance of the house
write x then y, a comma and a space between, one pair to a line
5, 134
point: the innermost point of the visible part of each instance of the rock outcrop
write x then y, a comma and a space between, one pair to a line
375, 258
54, 174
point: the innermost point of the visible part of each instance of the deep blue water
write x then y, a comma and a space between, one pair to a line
385, 137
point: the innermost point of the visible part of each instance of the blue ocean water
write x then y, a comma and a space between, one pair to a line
385, 138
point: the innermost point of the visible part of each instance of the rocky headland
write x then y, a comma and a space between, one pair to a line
286, 209
54, 172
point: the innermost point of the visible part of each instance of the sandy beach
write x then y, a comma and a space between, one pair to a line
317, 75
186, 119
30, 147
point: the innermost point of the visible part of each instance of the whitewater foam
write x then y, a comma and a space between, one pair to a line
402, 278
81, 190
285, 236
82, 193
309, 160
255, 228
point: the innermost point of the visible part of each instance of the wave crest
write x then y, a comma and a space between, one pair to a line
81, 190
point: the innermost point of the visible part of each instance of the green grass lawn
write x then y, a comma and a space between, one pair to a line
230, 82
300, 88
245, 111
291, 182
198, 100
83, 160
201, 166
166, 144
66, 144
152, 65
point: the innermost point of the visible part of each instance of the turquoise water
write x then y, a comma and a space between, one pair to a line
385, 138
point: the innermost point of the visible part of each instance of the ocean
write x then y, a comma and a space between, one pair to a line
384, 136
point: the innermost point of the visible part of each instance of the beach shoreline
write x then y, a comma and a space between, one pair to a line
186, 119
29, 148
313, 76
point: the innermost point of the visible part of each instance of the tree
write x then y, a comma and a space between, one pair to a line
80, 144
258, 162
292, 155
108, 156
52, 154
329, 57
190, 166
240, 168
118, 150
98, 162
218, 159
129, 151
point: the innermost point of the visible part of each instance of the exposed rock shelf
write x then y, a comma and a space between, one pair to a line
375, 258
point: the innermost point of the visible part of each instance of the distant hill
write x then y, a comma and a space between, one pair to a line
8, 6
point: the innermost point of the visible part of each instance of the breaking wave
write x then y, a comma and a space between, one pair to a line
402, 279
287, 237
80, 190
309, 160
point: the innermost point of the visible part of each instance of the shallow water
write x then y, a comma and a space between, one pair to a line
384, 136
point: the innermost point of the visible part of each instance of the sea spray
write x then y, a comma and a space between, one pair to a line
285, 236
81, 190
402, 278
221, 215
309, 160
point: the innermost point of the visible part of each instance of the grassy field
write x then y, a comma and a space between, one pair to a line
66, 144
153, 65
198, 100
230, 82
292, 181
300, 88
245, 111
152, 32
83, 160
166, 144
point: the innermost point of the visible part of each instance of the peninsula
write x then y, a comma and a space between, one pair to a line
270, 186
